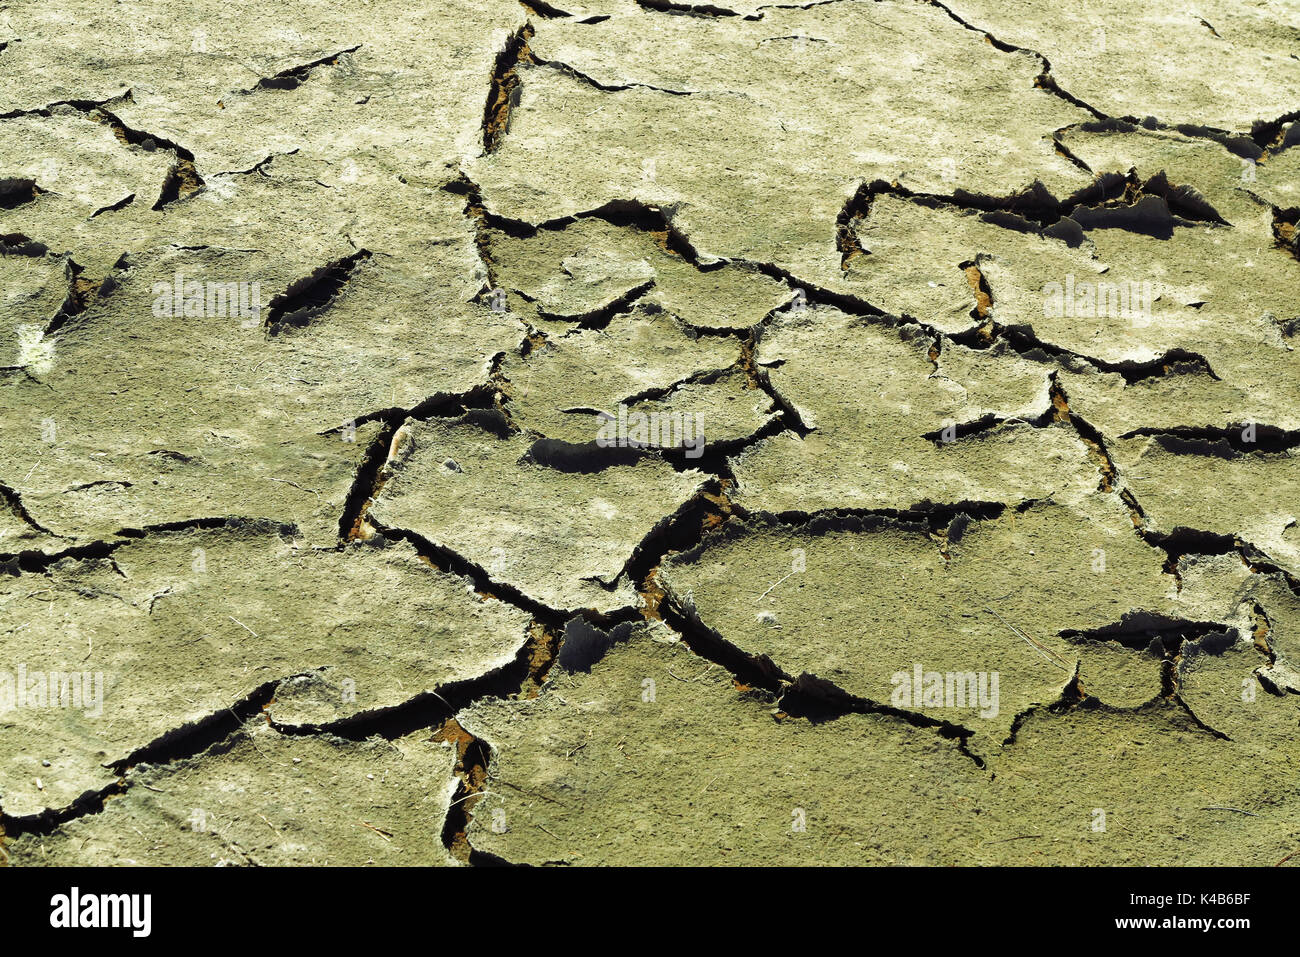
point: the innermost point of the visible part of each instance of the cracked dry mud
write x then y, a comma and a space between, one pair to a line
352, 575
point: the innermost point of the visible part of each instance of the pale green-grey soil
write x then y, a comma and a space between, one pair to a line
649, 432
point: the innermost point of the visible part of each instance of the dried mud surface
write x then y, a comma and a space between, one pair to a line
983, 549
